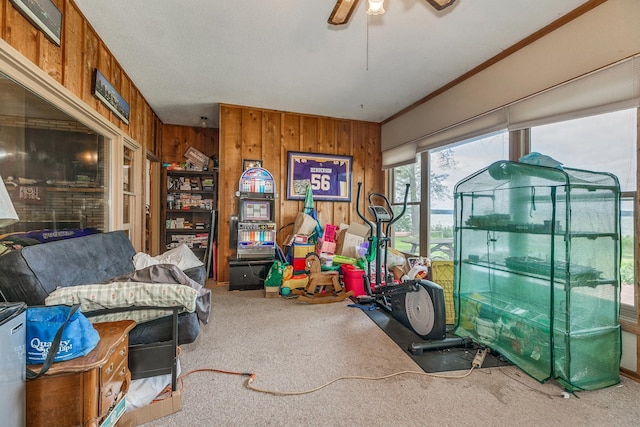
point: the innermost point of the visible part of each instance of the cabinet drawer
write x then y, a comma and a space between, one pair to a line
114, 377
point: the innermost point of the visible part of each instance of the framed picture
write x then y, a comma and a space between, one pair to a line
44, 15
105, 92
328, 175
248, 163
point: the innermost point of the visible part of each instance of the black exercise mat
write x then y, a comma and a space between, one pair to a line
449, 359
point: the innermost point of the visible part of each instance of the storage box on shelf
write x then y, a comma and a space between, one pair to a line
537, 270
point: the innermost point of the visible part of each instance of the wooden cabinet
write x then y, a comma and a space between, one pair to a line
82, 391
189, 208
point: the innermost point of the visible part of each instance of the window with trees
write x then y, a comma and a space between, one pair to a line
406, 231
447, 166
604, 142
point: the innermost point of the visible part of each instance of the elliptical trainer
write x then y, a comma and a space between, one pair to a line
418, 304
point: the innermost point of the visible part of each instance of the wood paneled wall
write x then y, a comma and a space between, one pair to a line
175, 140
254, 133
245, 132
72, 64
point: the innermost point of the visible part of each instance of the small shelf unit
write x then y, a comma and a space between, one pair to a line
537, 256
189, 211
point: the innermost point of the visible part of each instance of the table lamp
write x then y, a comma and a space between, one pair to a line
8, 213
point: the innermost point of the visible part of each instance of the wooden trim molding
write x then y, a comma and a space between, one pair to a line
630, 374
629, 326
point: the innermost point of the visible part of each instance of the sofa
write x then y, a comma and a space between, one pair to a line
34, 274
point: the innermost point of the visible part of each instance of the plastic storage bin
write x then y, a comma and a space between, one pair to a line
353, 279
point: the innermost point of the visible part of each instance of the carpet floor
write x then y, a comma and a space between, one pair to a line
301, 347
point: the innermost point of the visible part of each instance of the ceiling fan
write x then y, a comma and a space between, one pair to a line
344, 8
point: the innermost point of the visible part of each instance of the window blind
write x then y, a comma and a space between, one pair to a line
398, 156
485, 124
611, 88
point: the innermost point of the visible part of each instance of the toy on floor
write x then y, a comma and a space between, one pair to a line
323, 286
419, 269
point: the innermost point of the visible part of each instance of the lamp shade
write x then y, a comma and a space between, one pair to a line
8, 213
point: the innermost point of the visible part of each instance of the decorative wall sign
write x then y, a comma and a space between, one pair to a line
248, 164
102, 89
32, 194
44, 15
329, 176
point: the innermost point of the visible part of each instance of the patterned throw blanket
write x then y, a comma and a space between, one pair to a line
159, 285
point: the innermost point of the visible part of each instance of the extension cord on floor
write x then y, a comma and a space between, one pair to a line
479, 359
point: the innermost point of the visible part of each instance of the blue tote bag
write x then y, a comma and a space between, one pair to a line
58, 327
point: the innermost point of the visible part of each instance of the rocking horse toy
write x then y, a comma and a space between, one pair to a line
323, 286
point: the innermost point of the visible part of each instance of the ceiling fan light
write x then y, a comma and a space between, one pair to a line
376, 7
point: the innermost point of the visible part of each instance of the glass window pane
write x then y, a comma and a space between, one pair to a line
126, 172
604, 143
53, 166
403, 175
627, 271
126, 209
448, 165
405, 233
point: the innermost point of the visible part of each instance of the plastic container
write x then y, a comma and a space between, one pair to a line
330, 233
340, 259
353, 279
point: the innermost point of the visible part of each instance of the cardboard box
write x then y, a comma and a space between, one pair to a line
351, 238
272, 291
151, 412
325, 247
293, 239
196, 158
115, 414
302, 250
398, 271
304, 224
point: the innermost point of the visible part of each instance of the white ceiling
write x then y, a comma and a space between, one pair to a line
188, 56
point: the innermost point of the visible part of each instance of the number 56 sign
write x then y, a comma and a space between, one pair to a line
328, 175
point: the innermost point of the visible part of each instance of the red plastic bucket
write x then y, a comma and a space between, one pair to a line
353, 279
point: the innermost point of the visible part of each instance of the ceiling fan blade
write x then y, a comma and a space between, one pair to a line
342, 12
440, 4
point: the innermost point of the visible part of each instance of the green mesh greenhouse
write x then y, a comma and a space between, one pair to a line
537, 256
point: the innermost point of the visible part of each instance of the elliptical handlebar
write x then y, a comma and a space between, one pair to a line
367, 221
404, 204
